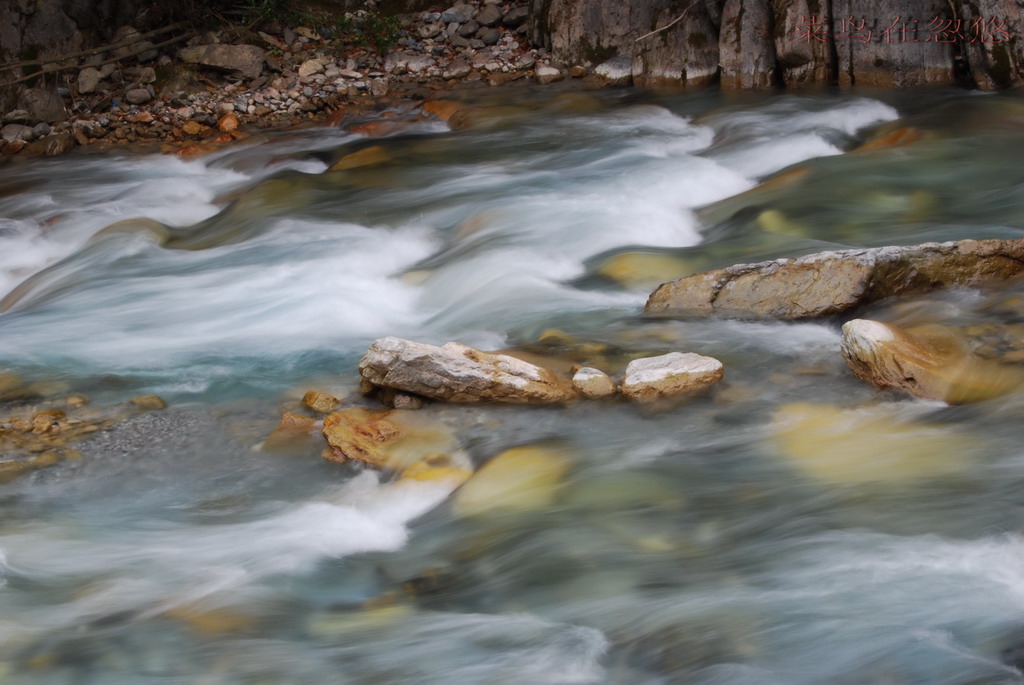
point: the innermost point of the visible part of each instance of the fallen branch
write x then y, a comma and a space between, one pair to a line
93, 51
53, 70
668, 25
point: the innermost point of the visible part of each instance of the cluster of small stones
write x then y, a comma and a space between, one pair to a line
39, 432
297, 76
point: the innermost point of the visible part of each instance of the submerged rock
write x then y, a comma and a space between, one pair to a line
458, 373
320, 402
149, 402
830, 283
670, 375
870, 445
388, 439
518, 479
931, 363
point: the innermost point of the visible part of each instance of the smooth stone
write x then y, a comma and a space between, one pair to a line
149, 402
670, 375
88, 80
13, 132
310, 67
138, 96
489, 36
519, 479
547, 74
489, 15
931, 363
868, 445
593, 383
458, 373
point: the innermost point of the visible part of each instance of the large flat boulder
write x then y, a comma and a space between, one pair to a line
830, 283
247, 60
458, 373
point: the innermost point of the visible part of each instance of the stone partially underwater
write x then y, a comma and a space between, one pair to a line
833, 283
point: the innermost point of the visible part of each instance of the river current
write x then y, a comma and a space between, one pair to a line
792, 526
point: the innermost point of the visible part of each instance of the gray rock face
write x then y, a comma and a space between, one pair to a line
592, 31
882, 54
831, 283
997, 62
43, 105
670, 375
246, 60
457, 373
746, 48
802, 43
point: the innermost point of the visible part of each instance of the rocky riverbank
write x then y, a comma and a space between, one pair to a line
221, 85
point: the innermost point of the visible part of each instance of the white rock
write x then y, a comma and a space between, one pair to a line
618, 71
457, 373
547, 74
593, 383
668, 375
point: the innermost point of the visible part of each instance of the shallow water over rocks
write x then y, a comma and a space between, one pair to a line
788, 525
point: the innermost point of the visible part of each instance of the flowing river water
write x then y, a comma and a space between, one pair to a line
791, 526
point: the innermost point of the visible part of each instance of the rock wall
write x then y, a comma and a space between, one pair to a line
40, 29
792, 43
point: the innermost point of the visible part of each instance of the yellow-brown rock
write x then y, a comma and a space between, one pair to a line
193, 128
228, 122
442, 109
9, 470
149, 402
870, 445
926, 362
519, 479
831, 283
48, 421
291, 430
388, 439
374, 155
320, 402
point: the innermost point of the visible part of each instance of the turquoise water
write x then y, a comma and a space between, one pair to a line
743, 537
